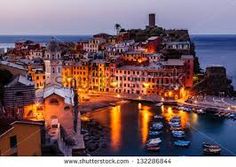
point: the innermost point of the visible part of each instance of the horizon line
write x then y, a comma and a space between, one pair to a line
102, 32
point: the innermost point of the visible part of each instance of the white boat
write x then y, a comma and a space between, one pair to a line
158, 117
178, 134
157, 126
175, 124
153, 142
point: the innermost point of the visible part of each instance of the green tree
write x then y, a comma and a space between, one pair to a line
117, 28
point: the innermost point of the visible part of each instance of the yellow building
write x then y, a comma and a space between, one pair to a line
23, 138
77, 71
38, 77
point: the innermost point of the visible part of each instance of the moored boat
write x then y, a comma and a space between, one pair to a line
182, 143
157, 126
154, 133
175, 119
158, 117
178, 134
212, 151
212, 146
153, 142
153, 148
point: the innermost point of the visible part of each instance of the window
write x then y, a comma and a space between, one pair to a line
54, 101
13, 142
19, 94
67, 108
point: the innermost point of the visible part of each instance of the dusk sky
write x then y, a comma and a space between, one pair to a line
52, 17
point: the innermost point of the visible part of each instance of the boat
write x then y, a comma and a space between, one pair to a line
153, 148
178, 134
187, 109
232, 116
154, 133
212, 146
176, 128
153, 142
159, 104
200, 111
212, 151
157, 126
182, 143
175, 119
175, 124
158, 117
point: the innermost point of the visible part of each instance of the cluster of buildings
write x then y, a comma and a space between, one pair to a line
111, 64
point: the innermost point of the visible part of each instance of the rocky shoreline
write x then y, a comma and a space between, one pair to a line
95, 136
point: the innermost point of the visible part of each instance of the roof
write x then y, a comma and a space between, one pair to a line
12, 65
53, 46
173, 62
66, 93
20, 79
215, 66
27, 123
187, 57
99, 61
153, 38
8, 127
178, 43
151, 66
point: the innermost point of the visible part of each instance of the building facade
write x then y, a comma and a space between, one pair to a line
23, 138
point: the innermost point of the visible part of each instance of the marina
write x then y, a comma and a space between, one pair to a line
191, 131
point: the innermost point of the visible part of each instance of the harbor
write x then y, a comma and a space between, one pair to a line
167, 130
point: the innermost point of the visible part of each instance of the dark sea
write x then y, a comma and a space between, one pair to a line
211, 49
217, 50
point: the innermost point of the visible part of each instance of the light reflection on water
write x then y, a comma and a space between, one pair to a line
115, 127
169, 112
145, 116
128, 126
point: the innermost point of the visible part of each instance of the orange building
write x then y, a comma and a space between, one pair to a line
23, 138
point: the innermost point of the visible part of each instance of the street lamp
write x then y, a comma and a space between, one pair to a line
76, 105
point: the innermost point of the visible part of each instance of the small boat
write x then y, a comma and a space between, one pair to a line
154, 133
212, 146
232, 116
153, 148
182, 143
212, 151
157, 126
175, 119
175, 124
159, 104
176, 128
153, 142
158, 117
178, 134
200, 111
